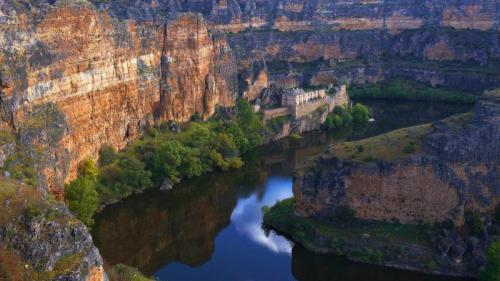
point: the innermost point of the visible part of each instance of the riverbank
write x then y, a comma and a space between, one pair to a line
400, 89
393, 245
443, 174
204, 222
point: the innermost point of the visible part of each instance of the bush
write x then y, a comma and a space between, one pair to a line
360, 114
199, 148
122, 178
409, 90
475, 223
339, 118
492, 270
88, 169
82, 198
410, 147
106, 155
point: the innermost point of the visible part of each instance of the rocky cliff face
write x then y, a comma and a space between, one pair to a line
42, 240
198, 70
361, 41
115, 67
456, 171
109, 78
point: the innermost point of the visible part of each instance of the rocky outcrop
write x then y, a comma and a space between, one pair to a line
43, 240
455, 171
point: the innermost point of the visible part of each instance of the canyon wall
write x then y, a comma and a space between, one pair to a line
115, 67
110, 78
443, 43
456, 171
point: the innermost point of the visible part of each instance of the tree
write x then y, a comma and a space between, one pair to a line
88, 169
106, 155
124, 177
360, 114
249, 122
82, 198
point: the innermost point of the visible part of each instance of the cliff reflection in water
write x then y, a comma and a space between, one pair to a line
156, 228
308, 266
209, 228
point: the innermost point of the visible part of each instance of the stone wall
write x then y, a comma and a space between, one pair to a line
276, 112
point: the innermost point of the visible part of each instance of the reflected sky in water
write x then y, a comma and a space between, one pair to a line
247, 216
243, 250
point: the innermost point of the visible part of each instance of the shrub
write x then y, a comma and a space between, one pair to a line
88, 169
341, 118
475, 223
409, 90
492, 270
122, 178
82, 199
11, 266
360, 114
106, 155
410, 147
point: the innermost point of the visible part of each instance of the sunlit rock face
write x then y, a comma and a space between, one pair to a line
110, 78
198, 70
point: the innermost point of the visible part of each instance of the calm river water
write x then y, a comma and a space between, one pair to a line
209, 228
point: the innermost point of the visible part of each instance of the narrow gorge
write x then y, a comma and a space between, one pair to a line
80, 76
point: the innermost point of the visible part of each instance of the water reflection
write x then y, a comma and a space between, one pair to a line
307, 266
209, 228
247, 217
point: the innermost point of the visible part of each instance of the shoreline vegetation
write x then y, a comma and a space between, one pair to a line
163, 157
167, 154
395, 245
400, 89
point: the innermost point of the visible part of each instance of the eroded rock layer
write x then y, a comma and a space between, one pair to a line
110, 77
457, 171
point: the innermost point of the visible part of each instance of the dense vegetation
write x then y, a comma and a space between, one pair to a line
341, 117
340, 232
408, 90
492, 269
122, 272
164, 154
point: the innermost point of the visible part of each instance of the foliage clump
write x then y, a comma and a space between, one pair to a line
81, 195
409, 90
170, 154
492, 270
341, 117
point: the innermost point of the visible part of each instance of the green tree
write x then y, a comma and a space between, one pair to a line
106, 155
122, 178
82, 199
492, 270
88, 169
250, 123
360, 113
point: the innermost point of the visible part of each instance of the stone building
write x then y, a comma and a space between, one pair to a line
298, 96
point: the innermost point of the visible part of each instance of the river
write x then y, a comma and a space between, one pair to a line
209, 228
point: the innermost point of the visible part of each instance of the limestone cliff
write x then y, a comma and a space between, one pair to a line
356, 40
108, 77
423, 174
198, 70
